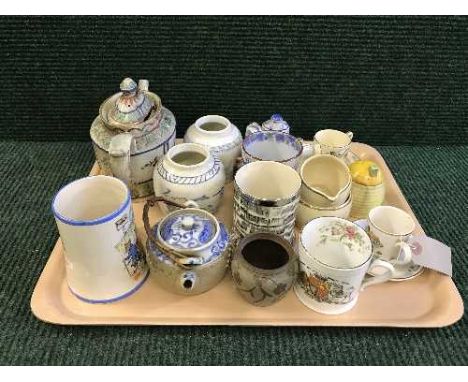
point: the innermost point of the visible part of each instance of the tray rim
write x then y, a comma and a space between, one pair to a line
42, 311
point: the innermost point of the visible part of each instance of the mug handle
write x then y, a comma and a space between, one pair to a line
119, 157
405, 255
373, 280
308, 150
251, 128
316, 147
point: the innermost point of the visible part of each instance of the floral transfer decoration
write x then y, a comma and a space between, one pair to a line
265, 288
326, 289
200, 231
346, 234
376, 243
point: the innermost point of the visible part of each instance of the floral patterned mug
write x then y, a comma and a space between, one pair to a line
335, 255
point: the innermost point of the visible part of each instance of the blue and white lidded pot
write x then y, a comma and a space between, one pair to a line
188, 250
275, 123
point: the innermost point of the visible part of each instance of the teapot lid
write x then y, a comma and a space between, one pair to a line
130, 107
189, 229
276, 122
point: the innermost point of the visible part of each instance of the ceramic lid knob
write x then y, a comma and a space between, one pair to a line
133, 106
276, 117
366, 172
276, 122
373, 171
188, 230
187, 223
128, 85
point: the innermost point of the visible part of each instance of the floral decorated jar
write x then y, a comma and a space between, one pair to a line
187, 251
220, 136
133, 130
190, 171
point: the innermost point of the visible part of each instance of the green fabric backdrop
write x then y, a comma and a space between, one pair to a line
394, 81
391, 80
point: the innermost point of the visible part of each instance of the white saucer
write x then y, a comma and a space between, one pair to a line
403, 272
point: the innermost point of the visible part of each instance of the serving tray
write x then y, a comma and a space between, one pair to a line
430, 300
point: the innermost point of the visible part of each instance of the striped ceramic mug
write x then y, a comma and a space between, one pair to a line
266, 195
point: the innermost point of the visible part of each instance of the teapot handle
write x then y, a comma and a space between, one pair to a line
253, 127
174, 255
119, 153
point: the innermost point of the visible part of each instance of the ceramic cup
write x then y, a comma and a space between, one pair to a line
326, 181
264, 268
266, 195
333, 142
390, 229
275, 146
103, 260
335, 255
307, 212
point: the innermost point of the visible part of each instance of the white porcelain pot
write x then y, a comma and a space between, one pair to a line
189, 171
220, 136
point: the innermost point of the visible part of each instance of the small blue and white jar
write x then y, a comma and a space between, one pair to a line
275, 123
188, 251
189, 171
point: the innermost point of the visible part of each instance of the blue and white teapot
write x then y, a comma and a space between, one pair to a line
275, 123
188, 250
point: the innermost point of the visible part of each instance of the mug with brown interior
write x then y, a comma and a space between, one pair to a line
264, 268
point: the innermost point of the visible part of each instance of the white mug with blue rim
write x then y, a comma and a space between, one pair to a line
103, 260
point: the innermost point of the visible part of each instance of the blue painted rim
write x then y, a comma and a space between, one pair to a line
114, 299
102, 219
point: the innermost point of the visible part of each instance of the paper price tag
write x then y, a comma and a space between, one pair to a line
431, 253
